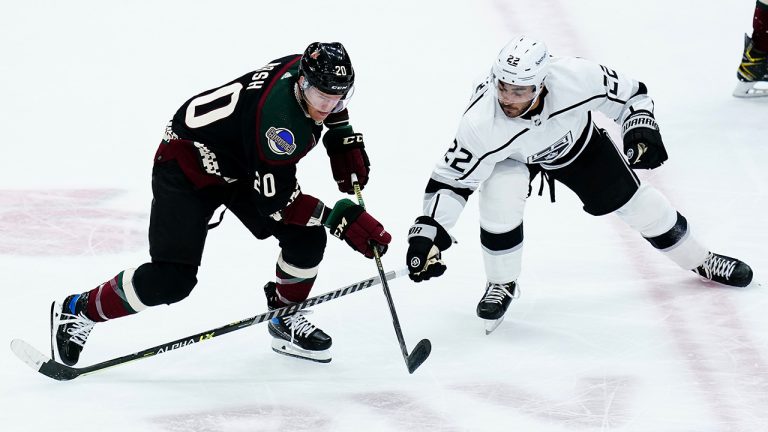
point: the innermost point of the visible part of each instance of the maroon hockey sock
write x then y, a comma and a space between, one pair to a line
760, 27
293, 283
114, 298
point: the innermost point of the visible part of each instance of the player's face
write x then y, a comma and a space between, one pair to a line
513, 99
320, 104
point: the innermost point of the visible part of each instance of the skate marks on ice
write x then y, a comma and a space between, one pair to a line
723, 359
405, 412
725, 363
256, 418
49, 222
601, 403
388, 409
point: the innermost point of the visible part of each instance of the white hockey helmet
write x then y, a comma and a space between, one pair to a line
524, 61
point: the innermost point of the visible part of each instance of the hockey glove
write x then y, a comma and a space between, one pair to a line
349, 222
426, 240
346, 150
642, 141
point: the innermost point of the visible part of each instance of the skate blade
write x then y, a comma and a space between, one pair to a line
284, 347
54, 319
491, 325
751, 89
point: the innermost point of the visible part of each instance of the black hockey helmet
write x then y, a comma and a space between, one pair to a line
327, 67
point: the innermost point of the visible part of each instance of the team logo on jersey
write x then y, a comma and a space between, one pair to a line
281, 141
554, 151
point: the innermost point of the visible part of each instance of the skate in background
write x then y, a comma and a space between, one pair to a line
753, 70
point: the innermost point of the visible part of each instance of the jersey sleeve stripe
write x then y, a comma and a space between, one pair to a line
435, 186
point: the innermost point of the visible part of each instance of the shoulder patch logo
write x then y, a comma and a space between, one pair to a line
281, 141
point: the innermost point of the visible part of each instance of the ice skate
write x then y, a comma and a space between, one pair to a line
294, 335
69, 329
494, 304
752, 73
725, 270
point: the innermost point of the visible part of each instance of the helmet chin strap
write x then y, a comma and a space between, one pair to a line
299, 93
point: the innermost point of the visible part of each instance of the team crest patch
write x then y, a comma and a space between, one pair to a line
554, 151
281, 141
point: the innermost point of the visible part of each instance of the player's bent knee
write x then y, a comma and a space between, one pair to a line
164, 283
306, 250
648, 212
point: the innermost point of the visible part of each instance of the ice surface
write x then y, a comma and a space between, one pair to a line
607, 336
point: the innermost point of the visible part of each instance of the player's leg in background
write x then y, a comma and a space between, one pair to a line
753, 69
502, 202
760, 26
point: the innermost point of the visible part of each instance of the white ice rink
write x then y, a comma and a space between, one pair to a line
607, 336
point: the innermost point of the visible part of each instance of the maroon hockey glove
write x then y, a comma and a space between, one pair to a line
642, 141
426, 240
349, 222
346, 150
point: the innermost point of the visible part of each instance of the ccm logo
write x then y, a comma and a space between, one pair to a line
356, 138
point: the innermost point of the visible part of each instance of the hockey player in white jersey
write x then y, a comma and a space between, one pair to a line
533, 114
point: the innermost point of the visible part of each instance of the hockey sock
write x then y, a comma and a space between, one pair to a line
679, 245
114, 298
502, 254
760, 26
293, 283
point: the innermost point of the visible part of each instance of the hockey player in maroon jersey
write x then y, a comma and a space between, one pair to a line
533, 114
753, 70
238, 145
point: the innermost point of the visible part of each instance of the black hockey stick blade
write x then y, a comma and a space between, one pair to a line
419, 355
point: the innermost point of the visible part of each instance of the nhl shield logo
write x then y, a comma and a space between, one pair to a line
281, 141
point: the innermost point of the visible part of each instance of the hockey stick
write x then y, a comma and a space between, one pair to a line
424, 347
50, 368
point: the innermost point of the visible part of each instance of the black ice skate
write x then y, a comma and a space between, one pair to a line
753, 72
725, 270
69, 329
294, 336
494, 304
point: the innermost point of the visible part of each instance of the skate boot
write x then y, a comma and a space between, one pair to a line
495, 302
294, 335
725, 270
753, 72
69, 328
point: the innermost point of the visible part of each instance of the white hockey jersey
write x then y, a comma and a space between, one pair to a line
553, 137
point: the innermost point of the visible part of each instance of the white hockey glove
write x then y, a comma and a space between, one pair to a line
426, 240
